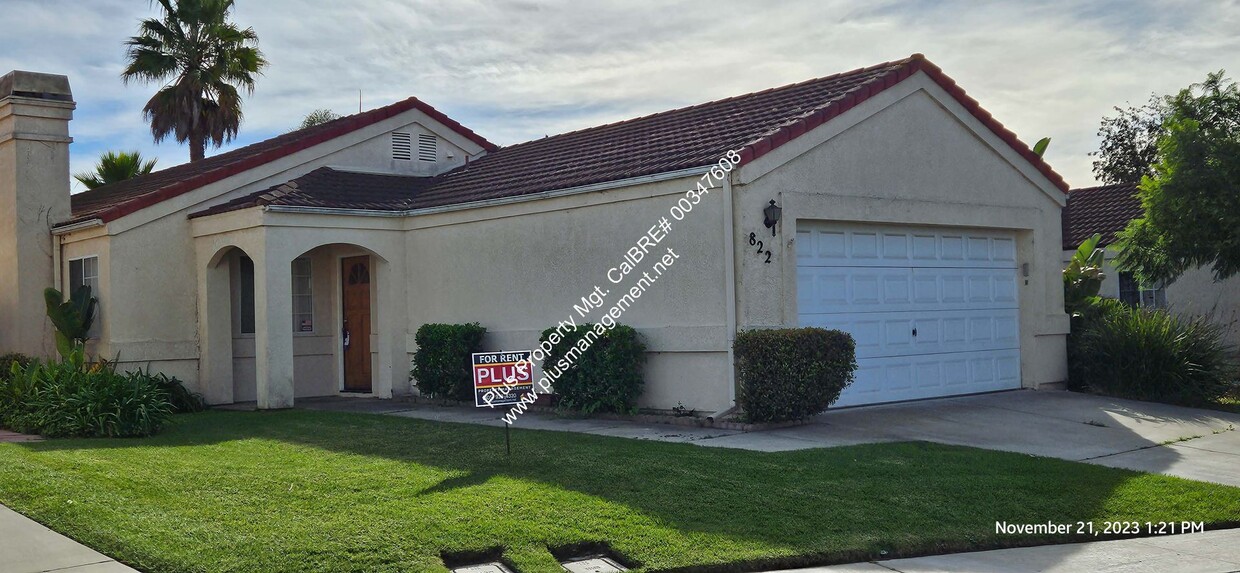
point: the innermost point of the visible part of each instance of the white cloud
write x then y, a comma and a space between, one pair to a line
519, 69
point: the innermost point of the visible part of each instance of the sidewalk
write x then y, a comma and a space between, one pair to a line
28, 547
1209, 552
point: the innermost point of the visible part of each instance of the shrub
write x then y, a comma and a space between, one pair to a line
1152, 355
7, 361
66, 399
605, 377
792, 373
442, 365
179, 397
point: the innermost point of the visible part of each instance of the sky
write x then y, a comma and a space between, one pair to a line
514, 70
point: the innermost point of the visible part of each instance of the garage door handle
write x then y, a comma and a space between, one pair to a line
914, 332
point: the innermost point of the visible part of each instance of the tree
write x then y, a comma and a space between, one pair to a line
318, 117
1192, 197
115, 166
203, 58
1130, 142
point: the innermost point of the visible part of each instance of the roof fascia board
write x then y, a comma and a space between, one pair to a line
265, 175
919, 81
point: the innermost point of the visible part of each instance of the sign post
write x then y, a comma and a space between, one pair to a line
501, 379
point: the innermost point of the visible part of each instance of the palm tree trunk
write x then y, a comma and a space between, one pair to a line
197, 149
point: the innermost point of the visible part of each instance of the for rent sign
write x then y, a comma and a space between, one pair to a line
501, 378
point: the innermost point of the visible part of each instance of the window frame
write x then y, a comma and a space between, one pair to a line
309, 295
94, 288
241, 295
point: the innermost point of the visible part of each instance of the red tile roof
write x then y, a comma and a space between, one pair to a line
696, 136
1106, 210
122, 198
334, 188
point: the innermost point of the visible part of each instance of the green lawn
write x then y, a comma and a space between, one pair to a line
318, 491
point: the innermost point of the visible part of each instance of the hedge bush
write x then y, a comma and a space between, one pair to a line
68, 398
1150, 355
792, 373
179, 397
606, 377
442, 366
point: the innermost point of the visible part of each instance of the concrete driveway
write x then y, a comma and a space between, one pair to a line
1186, 442
1196, 444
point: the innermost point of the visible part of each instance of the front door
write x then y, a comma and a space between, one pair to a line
355, 294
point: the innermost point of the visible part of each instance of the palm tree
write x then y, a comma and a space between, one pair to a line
318, 117
115, 166
202, 58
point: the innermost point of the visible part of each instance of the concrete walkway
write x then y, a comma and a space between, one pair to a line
28, 547
1209, 552
1187, 442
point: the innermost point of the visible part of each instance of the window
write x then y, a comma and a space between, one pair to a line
1129, 290
303, 298
1133, 293
84, 271
245, 298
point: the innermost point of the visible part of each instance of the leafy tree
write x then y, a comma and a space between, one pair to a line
115, 166
1082, 278
1130, 142
1192, 198
204, 58
318, 117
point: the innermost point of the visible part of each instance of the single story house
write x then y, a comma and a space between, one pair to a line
303, 265
1106, 210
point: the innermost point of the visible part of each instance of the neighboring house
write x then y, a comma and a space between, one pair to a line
910, 218
1106, 210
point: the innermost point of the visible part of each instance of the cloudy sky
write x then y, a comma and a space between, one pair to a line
514, 70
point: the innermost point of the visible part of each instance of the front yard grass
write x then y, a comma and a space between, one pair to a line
323, 491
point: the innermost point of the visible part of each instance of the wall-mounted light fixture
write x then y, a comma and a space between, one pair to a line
771, 216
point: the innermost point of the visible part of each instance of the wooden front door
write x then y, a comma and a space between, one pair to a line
355, 295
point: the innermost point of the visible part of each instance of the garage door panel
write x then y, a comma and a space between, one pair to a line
891, 333
866, 289
912, 378
861, 246
934, 312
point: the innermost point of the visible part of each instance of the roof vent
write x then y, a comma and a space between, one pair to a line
428, 147
402, 146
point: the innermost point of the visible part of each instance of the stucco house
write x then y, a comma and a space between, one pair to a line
910, 217
1106, 210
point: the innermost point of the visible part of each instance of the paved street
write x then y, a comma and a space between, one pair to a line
1209, 552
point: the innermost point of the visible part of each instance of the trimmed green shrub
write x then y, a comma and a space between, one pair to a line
66, 399
442, 366
1151, 355
7, 361
597, 369
792, 373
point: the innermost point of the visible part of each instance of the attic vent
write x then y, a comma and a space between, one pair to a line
402, 146
427, 147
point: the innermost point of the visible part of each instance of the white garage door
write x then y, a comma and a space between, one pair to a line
933, 311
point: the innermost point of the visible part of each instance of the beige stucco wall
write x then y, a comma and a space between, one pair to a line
910, 156
34, 168
519, 269
160, 328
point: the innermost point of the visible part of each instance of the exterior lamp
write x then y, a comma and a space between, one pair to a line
771, 216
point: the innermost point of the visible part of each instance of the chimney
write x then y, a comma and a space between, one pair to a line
35, 110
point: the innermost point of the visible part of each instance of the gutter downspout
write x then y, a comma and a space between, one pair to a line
729, 290
58, 246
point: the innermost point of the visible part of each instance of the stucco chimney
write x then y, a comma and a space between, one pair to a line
35, 110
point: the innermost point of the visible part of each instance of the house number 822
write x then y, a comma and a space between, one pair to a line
755, 242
